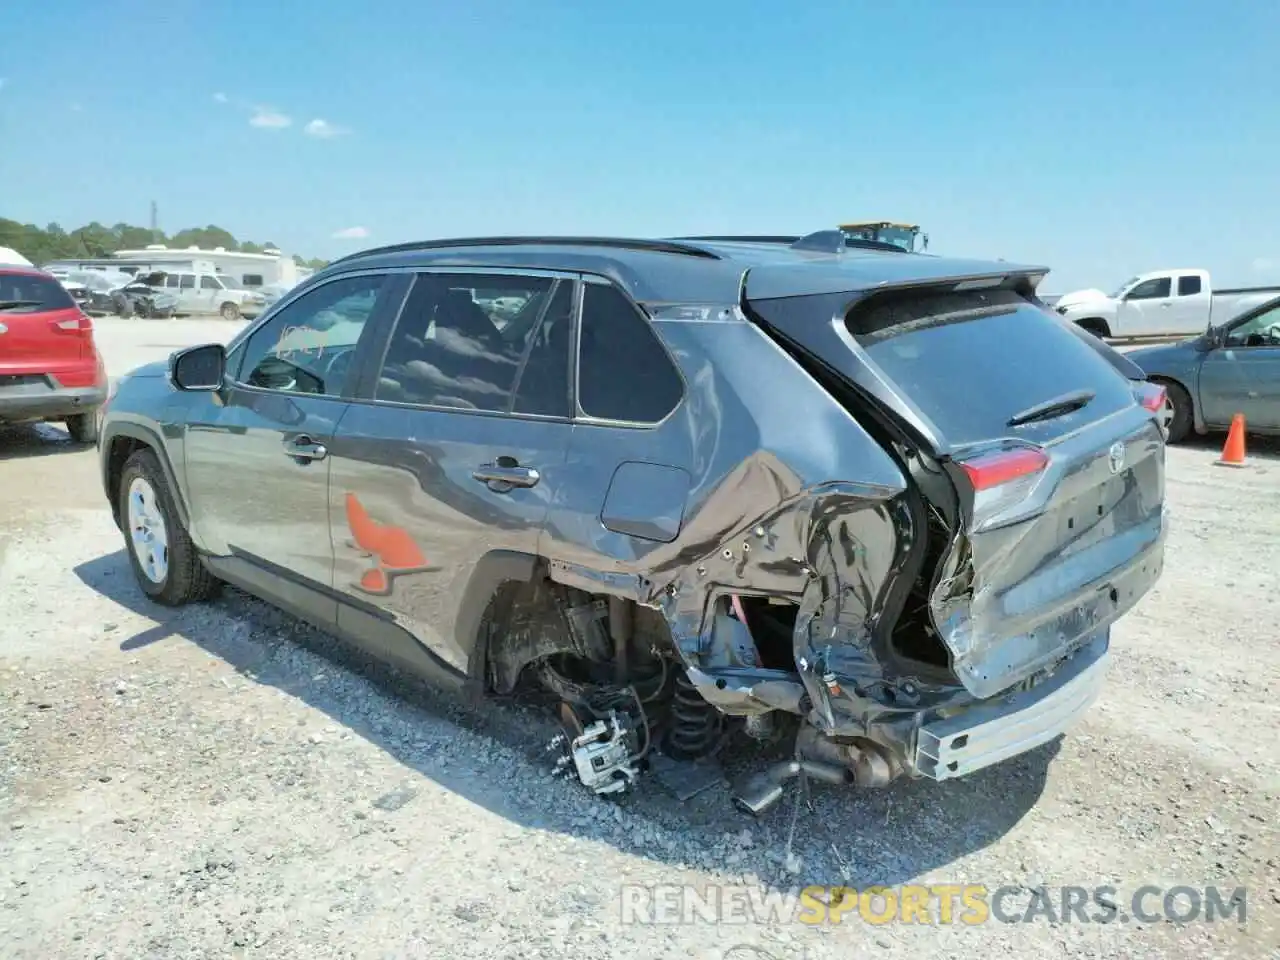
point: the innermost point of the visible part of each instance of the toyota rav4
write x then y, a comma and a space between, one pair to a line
888, 503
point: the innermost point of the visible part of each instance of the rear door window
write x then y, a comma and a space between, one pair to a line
972, 361
1188, 286
30, 293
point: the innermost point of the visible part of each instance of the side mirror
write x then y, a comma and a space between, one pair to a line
201, 368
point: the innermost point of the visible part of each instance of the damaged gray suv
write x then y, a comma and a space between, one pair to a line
883, 503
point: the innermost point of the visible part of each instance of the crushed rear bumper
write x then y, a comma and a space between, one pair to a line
994, 730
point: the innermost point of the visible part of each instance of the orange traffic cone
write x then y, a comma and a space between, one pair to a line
1233, 449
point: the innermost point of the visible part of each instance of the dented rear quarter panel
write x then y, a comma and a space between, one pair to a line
769, 455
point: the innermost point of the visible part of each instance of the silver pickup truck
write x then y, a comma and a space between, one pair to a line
1159, 303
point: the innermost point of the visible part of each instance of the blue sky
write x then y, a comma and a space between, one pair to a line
1129, 137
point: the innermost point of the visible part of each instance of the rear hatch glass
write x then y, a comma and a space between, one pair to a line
973, 361
31, 293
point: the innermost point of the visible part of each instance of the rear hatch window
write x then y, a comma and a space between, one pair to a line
973, 361
28, 293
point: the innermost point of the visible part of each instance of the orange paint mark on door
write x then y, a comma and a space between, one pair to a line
393, 549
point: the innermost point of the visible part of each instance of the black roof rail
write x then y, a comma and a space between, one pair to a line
788, 240
623, 243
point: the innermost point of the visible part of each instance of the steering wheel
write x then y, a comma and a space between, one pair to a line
335, 371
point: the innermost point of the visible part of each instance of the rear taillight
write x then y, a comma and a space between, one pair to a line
1001, 479
76, 324
995, 469
1150, 395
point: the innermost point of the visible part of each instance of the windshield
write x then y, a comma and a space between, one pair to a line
103, 282
902, 237
899, 237
230, 282
1123, 287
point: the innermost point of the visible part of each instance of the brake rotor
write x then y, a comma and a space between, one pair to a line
571, 721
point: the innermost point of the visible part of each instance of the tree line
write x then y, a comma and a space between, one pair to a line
40, 245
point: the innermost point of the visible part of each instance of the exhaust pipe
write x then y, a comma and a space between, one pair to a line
868, 762
762, 790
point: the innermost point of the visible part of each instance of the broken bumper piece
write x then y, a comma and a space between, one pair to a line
995, 730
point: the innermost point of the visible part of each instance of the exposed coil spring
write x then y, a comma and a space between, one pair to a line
695, 724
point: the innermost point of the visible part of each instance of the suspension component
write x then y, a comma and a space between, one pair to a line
695, 724
602, 753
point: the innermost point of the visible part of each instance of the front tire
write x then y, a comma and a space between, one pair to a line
230, 311
1176, 417
164, 560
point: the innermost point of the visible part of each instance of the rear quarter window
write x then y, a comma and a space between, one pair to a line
971, 361
45, 293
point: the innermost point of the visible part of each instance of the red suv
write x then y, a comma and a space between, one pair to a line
50, 368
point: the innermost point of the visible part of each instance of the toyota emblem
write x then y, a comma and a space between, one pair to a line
1115, 457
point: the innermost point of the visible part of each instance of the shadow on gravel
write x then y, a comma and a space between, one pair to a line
36, 440
859, 838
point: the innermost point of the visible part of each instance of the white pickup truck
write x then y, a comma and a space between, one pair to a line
1159, 303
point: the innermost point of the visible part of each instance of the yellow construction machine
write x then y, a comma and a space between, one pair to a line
907, 236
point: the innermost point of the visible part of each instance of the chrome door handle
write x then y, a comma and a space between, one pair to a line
304, 448
502, 478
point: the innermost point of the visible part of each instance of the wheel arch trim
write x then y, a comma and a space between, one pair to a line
111, 432
492, 571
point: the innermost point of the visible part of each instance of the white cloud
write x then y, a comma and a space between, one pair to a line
219, 98
1264, 265
351, 233
323, 129
268, 119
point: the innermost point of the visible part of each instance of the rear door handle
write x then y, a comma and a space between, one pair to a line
304, 448
501, 477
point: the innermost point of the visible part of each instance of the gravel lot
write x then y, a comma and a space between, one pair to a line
216, 783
